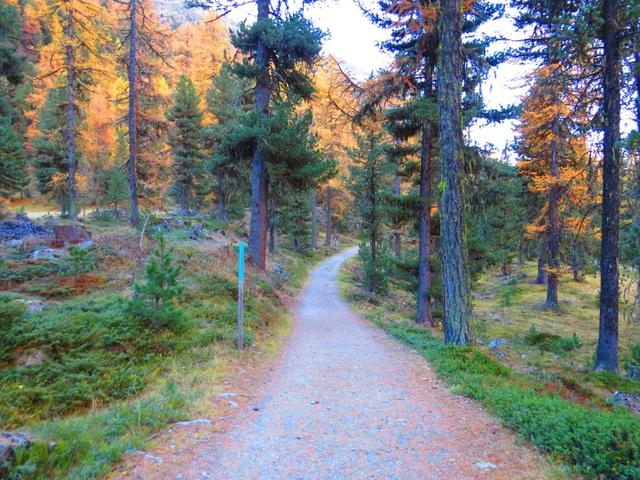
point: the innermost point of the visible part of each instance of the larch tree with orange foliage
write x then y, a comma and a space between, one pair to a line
554, 157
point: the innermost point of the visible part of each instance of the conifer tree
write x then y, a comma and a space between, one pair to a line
276, 48
13, 175
228, 165
369, 177
186, 142
49, 146
455, 276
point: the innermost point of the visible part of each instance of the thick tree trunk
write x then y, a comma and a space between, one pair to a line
70, 130
455, 278
132, 120
542, 261
553, 227
328, 223
607, 351
424, 313
314, 220
259, 183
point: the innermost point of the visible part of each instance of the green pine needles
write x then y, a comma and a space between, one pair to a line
155, 302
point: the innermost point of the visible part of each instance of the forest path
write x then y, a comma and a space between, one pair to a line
346, 401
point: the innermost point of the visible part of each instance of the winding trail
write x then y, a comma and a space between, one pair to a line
347, 402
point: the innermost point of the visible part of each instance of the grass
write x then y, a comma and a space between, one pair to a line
103, 384
597, 441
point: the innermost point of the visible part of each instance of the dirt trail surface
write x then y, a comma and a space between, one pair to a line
346, 402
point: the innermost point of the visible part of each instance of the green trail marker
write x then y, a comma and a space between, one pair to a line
241, 247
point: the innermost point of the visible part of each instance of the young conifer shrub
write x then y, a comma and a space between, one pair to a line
155, 302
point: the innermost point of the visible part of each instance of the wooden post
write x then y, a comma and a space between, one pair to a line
241, 296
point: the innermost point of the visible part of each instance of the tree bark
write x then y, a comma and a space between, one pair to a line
455, 278
328, 223
272, 226
397, 239
542, 260
424, 313
607, 350
259, 183
132, 120
221, 204
314, 220
70, 130
553, 227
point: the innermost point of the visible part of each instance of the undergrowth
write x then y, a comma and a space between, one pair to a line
91, 378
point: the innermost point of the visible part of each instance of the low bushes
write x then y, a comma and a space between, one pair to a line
596, 443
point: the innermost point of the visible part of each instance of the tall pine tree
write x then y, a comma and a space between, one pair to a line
186, 142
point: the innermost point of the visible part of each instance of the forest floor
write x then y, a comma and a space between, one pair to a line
344, 401
87, 383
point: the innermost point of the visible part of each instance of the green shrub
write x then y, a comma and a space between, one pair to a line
599, 444
24, 272
549, 342
509, 294
79, 261
155, 305
635, 354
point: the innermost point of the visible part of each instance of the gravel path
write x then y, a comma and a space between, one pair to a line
349, 402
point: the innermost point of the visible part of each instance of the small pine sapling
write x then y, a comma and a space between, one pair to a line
155, 303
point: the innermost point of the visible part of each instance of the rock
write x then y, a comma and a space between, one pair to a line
523, 356
199, 421
634, 372
9, 443
233, 404
34, 306
69, 234
226, 395
629, 400
50, 254
148, 455
31, 357
86, 245
485, 466
16, 242
496, 343
500, 355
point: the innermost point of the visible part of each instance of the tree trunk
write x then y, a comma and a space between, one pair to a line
221, 204
314, 220
397, 239
70, 130
553, 227
424, 313
272, 226
259, 183
132, 120
607, 351
455, 278
327, 238
542, 260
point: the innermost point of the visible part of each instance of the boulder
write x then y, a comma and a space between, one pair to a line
70, 234
634, 372
50, 254
9, 443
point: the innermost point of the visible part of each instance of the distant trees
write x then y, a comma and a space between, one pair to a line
369, 176
186, 142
